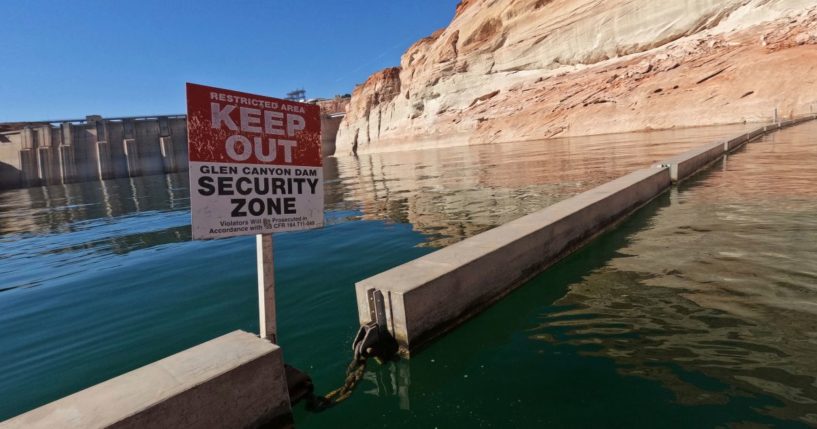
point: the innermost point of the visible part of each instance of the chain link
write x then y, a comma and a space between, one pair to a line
370, 341
354, 373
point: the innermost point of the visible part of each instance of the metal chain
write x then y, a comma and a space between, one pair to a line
354, 373
372, 340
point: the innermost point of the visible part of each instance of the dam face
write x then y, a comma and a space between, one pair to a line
97, 148
93, 149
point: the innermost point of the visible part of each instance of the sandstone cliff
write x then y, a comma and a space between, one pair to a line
507, 70
335, 105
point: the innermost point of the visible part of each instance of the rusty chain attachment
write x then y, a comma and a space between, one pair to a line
373, 340
354, 373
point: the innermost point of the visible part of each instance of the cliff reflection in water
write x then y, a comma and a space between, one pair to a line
454, 193
716, 297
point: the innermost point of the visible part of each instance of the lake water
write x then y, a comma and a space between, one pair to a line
697, 312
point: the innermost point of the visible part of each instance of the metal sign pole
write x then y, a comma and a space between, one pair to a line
266, 287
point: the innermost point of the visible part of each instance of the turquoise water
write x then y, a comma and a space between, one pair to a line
697, 312
96, 292
100, 278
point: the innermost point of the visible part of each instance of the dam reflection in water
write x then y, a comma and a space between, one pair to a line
76, 207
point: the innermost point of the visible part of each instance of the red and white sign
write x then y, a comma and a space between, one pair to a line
255, 163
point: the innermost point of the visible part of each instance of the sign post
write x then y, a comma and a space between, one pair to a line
255, 169
266, 287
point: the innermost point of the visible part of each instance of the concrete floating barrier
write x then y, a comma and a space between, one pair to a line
759, 132
687, 163
234, 381
431, 295
797, 121
734, 143
426, 297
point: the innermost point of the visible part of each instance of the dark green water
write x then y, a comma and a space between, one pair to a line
698, 312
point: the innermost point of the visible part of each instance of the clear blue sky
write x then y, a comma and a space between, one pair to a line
66, 59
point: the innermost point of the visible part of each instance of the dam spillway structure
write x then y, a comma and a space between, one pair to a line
93, 148
65, 151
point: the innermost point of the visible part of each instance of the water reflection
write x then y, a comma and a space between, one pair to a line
65, 208
716, 298
448, 194
390, 381
453, 193
124, 286
51, 232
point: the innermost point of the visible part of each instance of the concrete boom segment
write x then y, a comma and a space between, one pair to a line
432, 294
234, 381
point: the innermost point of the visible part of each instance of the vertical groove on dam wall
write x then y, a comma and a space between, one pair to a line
429, 296
92, 150
105, 149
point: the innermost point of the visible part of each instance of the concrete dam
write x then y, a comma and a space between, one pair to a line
96, 148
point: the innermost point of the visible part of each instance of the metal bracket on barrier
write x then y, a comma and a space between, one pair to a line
373, 339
